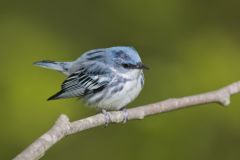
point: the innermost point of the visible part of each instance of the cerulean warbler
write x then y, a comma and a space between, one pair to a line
107, 78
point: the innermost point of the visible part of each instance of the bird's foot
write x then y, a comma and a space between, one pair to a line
107, 117
125, 115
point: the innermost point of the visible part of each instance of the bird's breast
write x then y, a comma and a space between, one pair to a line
120, 94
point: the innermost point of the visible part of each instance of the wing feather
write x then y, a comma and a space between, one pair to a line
85, 81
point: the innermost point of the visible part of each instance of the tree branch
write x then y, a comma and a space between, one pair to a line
64, 127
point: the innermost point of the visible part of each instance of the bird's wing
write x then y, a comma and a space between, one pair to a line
91, 78
98, 56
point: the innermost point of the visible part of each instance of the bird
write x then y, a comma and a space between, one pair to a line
106, 78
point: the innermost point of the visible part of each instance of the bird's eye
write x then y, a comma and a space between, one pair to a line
125, 65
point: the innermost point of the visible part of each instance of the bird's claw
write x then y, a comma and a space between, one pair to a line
125, 115
107, 117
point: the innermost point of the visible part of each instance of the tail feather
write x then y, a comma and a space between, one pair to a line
58, 66
49, 65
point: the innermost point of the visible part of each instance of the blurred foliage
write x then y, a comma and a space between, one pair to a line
191, 46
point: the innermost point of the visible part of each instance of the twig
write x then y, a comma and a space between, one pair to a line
64, 127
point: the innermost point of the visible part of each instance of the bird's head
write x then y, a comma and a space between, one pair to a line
127, 58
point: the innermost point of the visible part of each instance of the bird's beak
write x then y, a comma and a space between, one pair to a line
142, 66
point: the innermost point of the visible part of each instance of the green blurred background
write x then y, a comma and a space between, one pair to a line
190, 46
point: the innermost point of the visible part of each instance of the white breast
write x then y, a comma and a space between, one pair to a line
130, 91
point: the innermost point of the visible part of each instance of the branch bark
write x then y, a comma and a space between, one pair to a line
64, 127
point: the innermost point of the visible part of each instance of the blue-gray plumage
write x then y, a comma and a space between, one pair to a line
107, 78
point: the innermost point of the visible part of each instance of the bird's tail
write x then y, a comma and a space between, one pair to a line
58, 66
